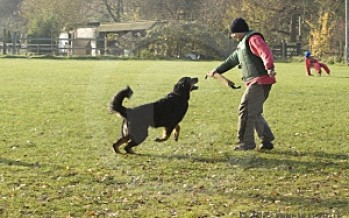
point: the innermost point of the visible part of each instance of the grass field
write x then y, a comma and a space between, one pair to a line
56, 157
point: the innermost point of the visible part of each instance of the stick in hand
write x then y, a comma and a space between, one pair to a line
225, 81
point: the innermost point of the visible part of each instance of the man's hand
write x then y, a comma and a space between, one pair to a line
271, 73
211, 73
222, 79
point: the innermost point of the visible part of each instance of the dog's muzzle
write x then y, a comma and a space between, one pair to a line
193, 82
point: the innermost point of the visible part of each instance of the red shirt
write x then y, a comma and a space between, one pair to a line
309, 62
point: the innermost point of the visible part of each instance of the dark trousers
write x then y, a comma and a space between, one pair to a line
251, 118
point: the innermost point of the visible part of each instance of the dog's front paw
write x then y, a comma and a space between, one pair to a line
176, 136
129, 150
116, 149
159, 140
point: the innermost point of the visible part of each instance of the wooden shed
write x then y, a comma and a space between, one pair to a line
126, 30
91, 39
124, 27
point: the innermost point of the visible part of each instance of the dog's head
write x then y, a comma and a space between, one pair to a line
185, 85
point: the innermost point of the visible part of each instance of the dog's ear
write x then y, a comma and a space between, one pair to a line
182, 88
179, 85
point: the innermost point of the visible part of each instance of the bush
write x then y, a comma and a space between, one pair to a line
334, 59
297, 59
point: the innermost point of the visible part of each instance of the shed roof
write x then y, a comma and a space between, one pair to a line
125, 26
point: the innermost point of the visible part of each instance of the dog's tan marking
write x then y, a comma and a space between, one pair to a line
176, 132
165, 135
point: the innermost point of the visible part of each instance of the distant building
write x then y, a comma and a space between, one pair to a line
92, 39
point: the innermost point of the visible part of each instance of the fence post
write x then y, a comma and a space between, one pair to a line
346, 51
51, 45
105, 44
283, 49
4, 48
95, 49
14, 40
299, 48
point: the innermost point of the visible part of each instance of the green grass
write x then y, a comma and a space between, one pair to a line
56, 157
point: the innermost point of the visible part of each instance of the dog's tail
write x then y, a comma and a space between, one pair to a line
116, 104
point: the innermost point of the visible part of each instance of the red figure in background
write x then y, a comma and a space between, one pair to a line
312, 62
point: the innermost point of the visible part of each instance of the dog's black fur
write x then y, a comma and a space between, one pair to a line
167, 112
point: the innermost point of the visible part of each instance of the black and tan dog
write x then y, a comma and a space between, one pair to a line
167, 112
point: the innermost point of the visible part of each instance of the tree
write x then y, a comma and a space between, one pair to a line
321, 22
175, 39
169, 9
270, 17
278, 20
311, 22
8, 7
115, 9
10, 14
320, 34
51, 17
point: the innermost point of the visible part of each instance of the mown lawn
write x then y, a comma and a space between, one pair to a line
56, 157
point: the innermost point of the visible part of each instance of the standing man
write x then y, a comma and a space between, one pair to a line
255, 58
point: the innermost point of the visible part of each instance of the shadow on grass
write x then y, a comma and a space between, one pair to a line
309, 205
296, 166
191, 158
255, 160
18, 163
319, 154
340, 77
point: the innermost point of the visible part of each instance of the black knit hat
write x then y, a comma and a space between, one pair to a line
239, 25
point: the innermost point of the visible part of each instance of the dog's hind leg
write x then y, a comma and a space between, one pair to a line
130, 145
176, 132
166, 134
119, 142
137, 135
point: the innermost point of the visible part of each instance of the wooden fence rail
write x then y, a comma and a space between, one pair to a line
95, 47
